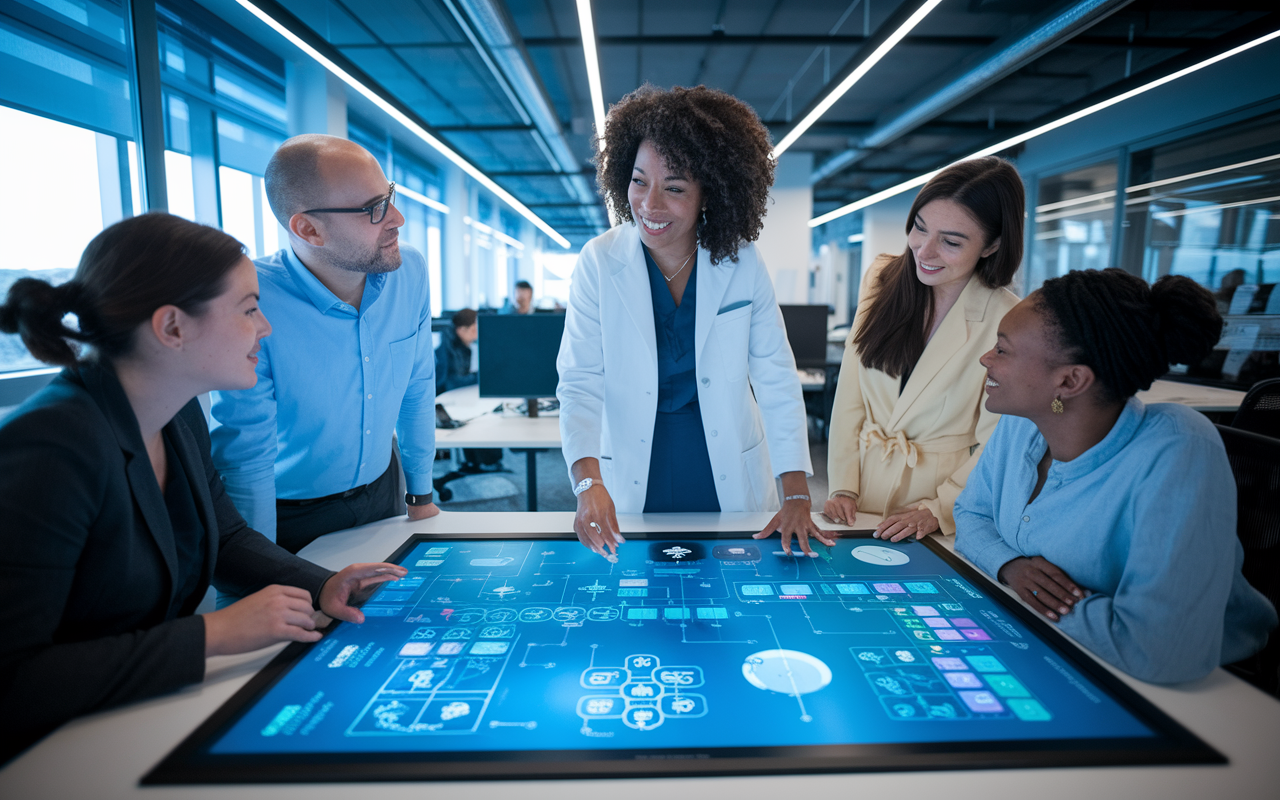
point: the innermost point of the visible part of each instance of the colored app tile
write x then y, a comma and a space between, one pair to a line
975, 635
757, 589
936, 622
949, 635
963, 622
489, 648
416, 649
985, 663
642, 613
852, 588
924, 636
1007, 686
952, 607
429, 562
675, 613
437, 551
1030, 711
715, 612
449, 649
889, 588
795, 588
981, 702
948, 663
963, 680
925, 611
922, 588
633, 582
633, 593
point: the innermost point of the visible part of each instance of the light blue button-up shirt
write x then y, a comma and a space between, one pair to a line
1145, 520
333, 383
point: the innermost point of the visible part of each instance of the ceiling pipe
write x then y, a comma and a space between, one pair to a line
499, 45
1002, 58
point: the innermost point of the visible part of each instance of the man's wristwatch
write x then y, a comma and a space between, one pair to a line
417, 499
583, 485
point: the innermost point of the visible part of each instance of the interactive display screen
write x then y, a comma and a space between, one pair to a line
530, 656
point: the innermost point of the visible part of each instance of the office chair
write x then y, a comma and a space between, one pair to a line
1260, 411
1255, 463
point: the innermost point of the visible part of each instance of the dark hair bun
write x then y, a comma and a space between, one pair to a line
1127, 332
34, 309
1189, 318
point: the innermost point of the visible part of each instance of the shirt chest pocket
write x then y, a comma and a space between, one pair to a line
733, 333
402, 356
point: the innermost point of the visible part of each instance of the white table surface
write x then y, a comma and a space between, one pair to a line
1201, 398
104, 756
484, 428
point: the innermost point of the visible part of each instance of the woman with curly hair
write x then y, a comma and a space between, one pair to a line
908, 424
669, 316
1113, 519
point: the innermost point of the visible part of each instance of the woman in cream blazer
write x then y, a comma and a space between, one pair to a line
909, 423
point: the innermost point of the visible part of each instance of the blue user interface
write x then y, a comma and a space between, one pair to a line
508, 645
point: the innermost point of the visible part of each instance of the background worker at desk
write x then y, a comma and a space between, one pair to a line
307, 451
675, 368
524, 300
453, 356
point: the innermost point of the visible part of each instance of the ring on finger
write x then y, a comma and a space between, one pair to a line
1035, 593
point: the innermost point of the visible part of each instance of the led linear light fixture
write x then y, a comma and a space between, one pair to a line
587, 26
418, 197
1045, 128
853, 77
404, 119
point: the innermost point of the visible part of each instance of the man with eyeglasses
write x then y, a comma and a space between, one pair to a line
308, 450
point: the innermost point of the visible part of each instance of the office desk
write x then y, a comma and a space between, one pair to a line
103, 756
485, 428
1201, 398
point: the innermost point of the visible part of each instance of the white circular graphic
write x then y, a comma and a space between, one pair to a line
787, 672
880, 556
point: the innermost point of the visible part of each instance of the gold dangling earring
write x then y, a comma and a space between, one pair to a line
1056, 406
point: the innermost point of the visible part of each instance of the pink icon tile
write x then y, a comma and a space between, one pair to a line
949, 635
976, 635
925, 611
963, 622
981, 702
936, 622
963, 680
945, 663
889, 588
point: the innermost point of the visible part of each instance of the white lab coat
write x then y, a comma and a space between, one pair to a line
608, 367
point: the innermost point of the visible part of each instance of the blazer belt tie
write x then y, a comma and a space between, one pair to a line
873, 433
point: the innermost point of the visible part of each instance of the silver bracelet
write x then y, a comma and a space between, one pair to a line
795, 497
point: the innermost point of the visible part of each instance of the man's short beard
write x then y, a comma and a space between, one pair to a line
381, 260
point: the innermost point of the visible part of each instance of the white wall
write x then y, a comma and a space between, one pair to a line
786, 240
315, 100
884, 228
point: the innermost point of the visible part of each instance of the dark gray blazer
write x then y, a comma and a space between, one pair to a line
88, 562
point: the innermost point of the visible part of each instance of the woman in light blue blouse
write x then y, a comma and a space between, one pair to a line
1114, 519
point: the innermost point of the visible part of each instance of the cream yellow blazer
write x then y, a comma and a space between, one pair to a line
917, 448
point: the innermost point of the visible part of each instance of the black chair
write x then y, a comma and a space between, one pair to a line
1260, 411
1255, 463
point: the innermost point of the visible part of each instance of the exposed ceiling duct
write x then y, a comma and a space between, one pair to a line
999, 60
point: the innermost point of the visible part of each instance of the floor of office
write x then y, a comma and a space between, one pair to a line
506, 490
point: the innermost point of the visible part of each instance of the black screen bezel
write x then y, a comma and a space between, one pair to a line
191, 763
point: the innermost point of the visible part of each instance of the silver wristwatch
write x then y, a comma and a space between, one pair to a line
583, 485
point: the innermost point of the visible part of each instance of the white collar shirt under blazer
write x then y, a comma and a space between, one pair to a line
609, 374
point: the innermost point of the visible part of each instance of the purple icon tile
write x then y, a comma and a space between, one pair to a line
963, 680
976, 635
945, 663
925, 611
981, 702
936, 622
963, 622
949, 635
889, 588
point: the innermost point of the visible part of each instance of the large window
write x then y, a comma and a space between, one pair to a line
67, 149
1075, 214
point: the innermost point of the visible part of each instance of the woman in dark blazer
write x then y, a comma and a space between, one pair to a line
113, 520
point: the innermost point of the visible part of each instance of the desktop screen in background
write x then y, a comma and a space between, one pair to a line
518, 354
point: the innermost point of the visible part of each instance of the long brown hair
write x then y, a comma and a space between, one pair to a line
891, 335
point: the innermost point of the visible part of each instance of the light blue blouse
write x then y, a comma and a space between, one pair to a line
1145, 520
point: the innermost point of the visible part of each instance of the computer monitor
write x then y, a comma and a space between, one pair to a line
518, 356
807, 332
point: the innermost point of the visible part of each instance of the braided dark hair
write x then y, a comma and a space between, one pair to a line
1126, 331
126, 273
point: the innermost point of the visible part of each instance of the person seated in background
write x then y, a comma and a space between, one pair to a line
524, 300
1115, 520
115, 521
453, 356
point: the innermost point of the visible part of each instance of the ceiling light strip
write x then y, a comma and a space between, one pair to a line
1048, 126
418, 197
587, 26
404, 119
1182, 212
853, 77
1193, 175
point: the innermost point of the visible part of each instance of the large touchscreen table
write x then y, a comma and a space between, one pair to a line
529, 656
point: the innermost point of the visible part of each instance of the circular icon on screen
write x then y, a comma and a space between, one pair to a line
880, 556
787, 672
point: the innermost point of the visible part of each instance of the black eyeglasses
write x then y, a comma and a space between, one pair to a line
377, 212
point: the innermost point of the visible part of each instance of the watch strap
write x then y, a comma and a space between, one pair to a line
418, 499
